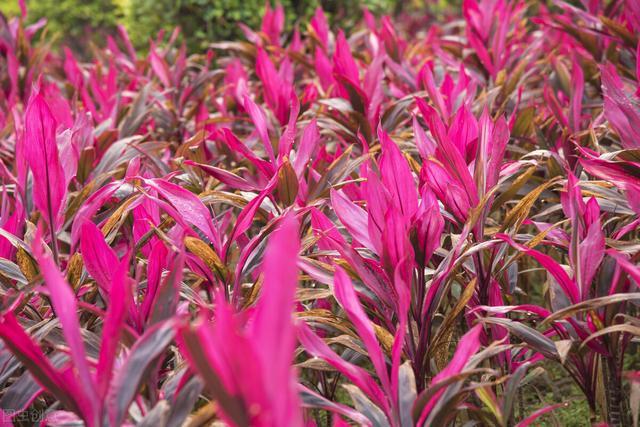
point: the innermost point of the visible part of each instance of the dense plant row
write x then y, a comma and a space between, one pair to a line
372, 229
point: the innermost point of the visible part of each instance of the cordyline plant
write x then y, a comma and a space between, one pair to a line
427, 222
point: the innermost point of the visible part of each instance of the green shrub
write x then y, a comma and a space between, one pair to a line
72, 22
205, 21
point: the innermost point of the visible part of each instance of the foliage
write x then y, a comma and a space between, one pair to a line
205, 21
425, 223
201, 21
73, 22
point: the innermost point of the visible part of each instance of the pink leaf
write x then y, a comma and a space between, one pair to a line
266, 168
120, 299
159, 66
343, 62
320, 26
273, 22
425, 145
315, 346
429, 224
64, 303
248, 213
41, 153
271, 81
397, 176
592, 248
347, 298
467, 347
623, 115
308, 144
272, 326
568, 286
189, 206
260, 121
99, 258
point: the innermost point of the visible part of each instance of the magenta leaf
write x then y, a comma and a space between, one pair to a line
41, 153
99, 259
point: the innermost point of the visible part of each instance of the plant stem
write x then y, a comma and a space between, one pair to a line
614, 393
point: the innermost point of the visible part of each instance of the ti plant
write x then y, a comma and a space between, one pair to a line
431, 221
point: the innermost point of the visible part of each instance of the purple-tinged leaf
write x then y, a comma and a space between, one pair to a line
354, 218
347, 298
189, 206
29, 353
568, 286
99, 258
314, 400
538, 413
267, 169
120, 298
228, 178
315, 346
65, 305
129, 376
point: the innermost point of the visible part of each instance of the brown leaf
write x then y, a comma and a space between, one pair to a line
26, 264
117, 217
563, 347
287, 183
208, 255
520, 212
74, 270
385, 337
440, 343
310, 294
